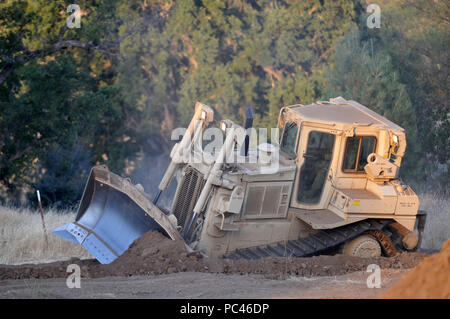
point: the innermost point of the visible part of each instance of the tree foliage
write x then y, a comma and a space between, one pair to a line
367, 75
114, 89
401, 71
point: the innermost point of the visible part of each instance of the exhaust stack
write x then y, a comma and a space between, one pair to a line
248, 125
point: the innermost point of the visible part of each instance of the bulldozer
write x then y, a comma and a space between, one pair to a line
327, 183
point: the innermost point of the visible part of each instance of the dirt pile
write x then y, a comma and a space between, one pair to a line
154, 254
429, 279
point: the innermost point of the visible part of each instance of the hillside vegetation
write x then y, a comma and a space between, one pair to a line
23, 241
112, 90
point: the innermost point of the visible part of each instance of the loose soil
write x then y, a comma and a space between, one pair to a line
429, 279
198, 285
154, 254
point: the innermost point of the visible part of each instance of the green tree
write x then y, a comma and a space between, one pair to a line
112, 91
416, 35
52, 91
365, 73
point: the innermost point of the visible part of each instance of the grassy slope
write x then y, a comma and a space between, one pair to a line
22, 237
437, 227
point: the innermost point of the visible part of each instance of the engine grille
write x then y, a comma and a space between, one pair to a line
187, 195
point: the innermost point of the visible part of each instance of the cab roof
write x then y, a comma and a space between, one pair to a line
344, 112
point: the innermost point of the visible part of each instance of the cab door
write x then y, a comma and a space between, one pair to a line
315, 154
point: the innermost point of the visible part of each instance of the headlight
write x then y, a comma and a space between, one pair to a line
224, 124
395, 138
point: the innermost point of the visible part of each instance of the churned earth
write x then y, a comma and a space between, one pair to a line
157, 267
429, 279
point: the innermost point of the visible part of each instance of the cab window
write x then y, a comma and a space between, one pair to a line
314, 171
356, 151
289, 139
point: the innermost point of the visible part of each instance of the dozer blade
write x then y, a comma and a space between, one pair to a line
112, 214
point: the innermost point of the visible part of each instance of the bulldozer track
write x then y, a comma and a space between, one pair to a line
319, 242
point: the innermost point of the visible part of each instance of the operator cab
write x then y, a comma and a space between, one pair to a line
330, 143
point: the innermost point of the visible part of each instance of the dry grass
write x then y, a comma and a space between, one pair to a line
437, 227
22, 237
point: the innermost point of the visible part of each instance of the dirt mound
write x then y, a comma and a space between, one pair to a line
429, 279
154, 254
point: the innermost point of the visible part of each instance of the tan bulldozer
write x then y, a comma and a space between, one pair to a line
328, 184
